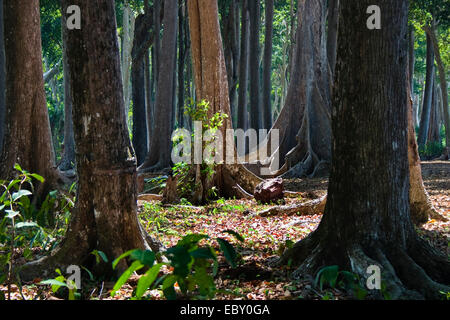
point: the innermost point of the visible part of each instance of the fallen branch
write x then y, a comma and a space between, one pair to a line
150, 197
306, 208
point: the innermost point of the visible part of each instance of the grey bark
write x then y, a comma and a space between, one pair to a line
242, 120
267, 68
333, 26
254, 64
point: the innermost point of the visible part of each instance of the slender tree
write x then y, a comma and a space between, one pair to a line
333, 26
254, 63
105, 216
242, 119
2, 78
159, 156
370, 119
267, 69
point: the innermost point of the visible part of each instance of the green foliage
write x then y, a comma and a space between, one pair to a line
61, 282
193, 268
331, 277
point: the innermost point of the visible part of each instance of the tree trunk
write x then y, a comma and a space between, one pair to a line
2, 79
367, 216
267, 69
212, 86
159, 157
242, 120
255, 95
434, 134
304, 122
428, 97
27, 139
431, 32
181, 64
127, 38
105, 216
68, 157
333, 26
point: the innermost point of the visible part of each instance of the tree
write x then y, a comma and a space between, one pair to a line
27, 136
370, 163
428, 96
105, 216
2, 79
267, 75
68, 157
333, 26
242, 119
212, 86
255, 94
159, 157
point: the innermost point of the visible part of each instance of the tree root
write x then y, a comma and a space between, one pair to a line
418, 274
307, 208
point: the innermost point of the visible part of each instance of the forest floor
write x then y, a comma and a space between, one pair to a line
265, 238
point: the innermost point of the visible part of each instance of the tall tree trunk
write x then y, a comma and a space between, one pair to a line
159, 156
181, 64
267, 69
431, 32
367, 216
27, 138
255, 93
2, 79
333, 26
105, 215
434, 135
68, 157
428, 96
212, 85
127, 38
242, 120
304, 122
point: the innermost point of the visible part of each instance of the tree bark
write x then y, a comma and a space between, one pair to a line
105, 216
27, 139
267, 69
2, 79
367, 215
159, 157
428, 96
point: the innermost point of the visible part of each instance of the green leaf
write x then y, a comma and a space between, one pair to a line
37, 177
327, 275
125, 276
191, 239
10, 214
55, 283
235, 234
203, 253
146, 257
146, 281
19, 194
228, 251
18, 167
99, 254
124, 255
168, 287
180, 260
27, 225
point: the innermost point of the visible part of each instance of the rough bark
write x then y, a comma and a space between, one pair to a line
27, 138
242, 120
68, 156
2, 79
159, 157
105, 216
254, 63
367, 215
428, 96
267, 68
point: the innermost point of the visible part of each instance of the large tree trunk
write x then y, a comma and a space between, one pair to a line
428, 97
27, 139
304, 123
431, 32
267, 69
242, 119
68, 157
212, 86
105, 216
255, 93
367, 216
2, 79
159, 157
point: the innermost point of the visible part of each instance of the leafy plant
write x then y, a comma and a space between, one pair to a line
331, 276
193, 268
61, 281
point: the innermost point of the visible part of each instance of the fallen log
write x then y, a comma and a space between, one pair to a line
306, 208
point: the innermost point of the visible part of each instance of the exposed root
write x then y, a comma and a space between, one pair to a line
150, 197
313, 207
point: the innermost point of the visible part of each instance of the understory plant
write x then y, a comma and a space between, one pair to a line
192, 268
